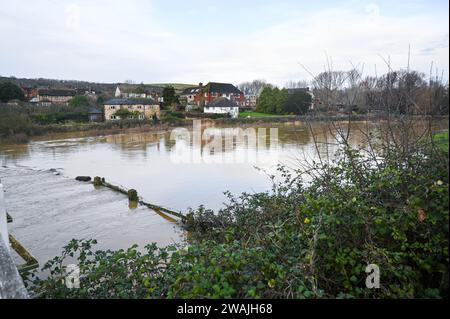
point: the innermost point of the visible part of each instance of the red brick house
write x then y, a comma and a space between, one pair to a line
214, 90
29, 92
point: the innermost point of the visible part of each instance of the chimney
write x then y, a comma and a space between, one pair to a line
202, 96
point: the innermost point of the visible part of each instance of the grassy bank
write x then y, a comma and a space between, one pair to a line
441, 140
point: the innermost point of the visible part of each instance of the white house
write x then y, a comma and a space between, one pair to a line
222, 105
118, 93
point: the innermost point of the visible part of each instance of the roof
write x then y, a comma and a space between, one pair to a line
131, 102
227, 88
222, 102
94, 110
56, 92
132, 88
191, 90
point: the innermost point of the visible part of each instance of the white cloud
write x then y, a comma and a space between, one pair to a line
117, 40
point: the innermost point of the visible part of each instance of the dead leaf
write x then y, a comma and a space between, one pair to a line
421, 216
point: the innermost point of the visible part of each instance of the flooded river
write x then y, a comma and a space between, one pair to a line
150, 163
146, 162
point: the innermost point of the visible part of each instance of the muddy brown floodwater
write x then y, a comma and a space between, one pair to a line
53, 209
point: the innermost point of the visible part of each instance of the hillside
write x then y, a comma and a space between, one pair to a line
96, 86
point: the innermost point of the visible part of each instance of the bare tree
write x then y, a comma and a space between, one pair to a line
254, 88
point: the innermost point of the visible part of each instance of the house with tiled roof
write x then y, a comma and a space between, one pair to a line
187, 97
55, 96
214, 90
200, 94
131, 92
138, 108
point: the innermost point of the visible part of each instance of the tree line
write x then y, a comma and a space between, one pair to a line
275, 101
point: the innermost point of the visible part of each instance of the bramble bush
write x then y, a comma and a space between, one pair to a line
299, 240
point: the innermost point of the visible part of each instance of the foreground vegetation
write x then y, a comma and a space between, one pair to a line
300, 239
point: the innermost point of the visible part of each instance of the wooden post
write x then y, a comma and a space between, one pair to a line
30, 261
133, 195
97, 181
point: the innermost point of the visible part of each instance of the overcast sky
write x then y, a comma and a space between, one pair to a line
226, 41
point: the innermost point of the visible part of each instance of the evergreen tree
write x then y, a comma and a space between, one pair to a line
10, 91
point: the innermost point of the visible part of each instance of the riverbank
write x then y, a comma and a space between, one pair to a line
133, 126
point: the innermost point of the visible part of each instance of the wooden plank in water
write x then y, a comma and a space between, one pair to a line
30, 261
101, 181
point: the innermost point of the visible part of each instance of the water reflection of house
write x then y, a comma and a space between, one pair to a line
145, 108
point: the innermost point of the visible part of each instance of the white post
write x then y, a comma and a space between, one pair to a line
3, 220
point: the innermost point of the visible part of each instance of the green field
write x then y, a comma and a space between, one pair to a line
442, 140
179, 87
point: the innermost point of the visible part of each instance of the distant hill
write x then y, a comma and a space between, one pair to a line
179, 87
107, 88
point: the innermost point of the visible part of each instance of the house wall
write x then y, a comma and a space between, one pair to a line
146, 110
251, 100
95, 118
188, 98
209, 97
55, 99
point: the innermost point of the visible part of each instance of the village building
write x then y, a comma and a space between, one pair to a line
187, 97
95, 115
222, 105
251, 100
127, 93
29, 92
55, 96
145, 108
214, 90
